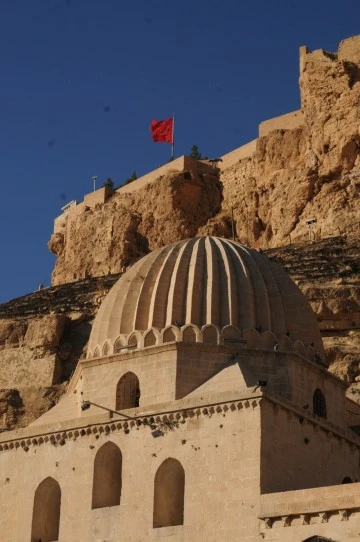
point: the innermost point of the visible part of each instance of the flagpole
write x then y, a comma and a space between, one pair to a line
173, 141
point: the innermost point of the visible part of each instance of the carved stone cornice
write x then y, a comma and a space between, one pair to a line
164, 421
308, 518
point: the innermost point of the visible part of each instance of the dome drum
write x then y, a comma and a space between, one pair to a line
228, 336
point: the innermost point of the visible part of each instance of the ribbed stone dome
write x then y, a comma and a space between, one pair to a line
205, 280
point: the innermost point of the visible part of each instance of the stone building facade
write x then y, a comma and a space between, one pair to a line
204, 410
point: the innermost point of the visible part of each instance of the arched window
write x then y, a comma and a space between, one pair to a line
127, 392
318, 539
169, 487
347, 480
107, 476
46, 511
319, 404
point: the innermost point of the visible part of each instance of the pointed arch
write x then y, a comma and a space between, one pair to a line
252, 338
46, 511
169, 489
170, 334
268, 340
106, 349
231, 333
150, 338
285, 344
319, 404
107, 479
96, 352
127, 392
135, 339
210, 334
190, 333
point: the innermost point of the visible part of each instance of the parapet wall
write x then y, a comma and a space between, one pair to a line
91, 200
100, 196
180, 164
348, 50
241, 153
332, 511
289, 121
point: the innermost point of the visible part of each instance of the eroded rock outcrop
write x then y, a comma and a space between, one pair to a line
42, 337
328, 273
304, 165
111, 235
312, 170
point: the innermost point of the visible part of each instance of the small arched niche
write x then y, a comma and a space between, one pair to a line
96, 352
150, 338
127, 392
319, 404
106, 349
252, 338
189, 334
347, 480
231, 333
170, 335
268, 340
46, 512
285, 344
107, 476
210, 334
169, 489
133, 340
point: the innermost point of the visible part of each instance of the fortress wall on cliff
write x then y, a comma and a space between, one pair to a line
304, 164
289, 121
99, 197
232, 157
348, 51
179, 164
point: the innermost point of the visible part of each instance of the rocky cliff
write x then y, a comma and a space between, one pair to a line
105, 238
328, 273
311, 171
304, 167
42, 337
292, 175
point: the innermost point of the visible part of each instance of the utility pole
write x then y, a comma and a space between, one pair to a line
94, 178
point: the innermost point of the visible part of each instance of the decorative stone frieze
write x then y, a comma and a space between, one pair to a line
309, 518
164, 421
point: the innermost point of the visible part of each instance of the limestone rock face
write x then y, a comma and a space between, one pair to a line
328, 274
298, 170
309, 171
330, 91
108, 238
12, 333
42, 337
45, 332
11, 407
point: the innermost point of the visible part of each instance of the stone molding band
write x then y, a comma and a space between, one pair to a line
343, 514
165, 421
208, 334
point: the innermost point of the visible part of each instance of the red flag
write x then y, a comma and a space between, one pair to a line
162, 130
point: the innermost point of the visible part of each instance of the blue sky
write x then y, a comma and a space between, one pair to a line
82, 79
